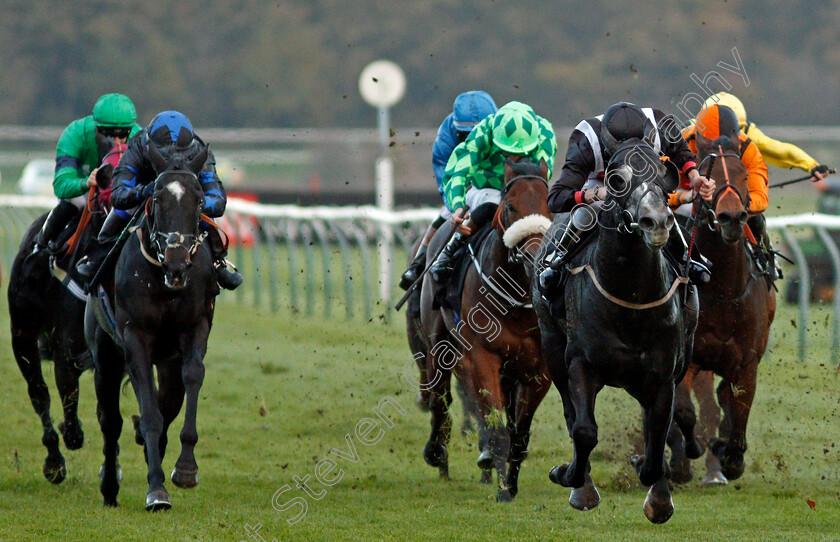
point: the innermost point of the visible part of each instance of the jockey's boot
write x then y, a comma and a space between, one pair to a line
764, 250
572, 238
676, 252
89, 264
56, 221
444, 265
415, 269
227, 275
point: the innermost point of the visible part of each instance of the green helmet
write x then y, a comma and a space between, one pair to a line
516, 128
115, 110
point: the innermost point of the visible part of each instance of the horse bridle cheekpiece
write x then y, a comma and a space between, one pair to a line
161, 241
617, 198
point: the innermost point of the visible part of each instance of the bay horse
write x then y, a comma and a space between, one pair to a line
737, 308
496, 345
163, 294
46, 313
628, 323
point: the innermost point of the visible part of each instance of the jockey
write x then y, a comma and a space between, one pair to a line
586, 160
82, 145
133, 184
776, 153
469, 108
514, 131
717, 120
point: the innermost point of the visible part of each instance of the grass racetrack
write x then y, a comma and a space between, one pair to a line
282, 390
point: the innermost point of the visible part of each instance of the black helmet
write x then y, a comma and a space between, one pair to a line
171, 128
624, 121
729, 125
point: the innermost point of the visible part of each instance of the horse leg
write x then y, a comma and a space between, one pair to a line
193, 349
110, 367
25, 348
652, 468
170, 399
139, 355
528, 397
483, 370
443, 357
67, 381
703, 385
738, 397
584, 429
684, 445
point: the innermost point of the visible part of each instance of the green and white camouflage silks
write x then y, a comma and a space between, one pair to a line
479, 162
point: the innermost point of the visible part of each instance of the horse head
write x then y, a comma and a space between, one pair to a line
174, 213
731, 200
638, 183
523, 216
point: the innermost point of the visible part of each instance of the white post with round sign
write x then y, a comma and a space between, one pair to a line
382, 85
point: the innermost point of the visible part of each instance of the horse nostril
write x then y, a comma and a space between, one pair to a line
724, 218
669, 222
742, 217
646, 223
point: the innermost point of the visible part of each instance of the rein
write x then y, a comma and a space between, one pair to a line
161, 241
626, 304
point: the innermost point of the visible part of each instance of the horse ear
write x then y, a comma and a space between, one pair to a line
704, 144
671, 178
159, 162
508, 171
104, 175
197, 163
544, 168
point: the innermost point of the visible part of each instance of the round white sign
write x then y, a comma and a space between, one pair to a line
382, 83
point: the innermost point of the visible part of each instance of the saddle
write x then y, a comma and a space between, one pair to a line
449, 295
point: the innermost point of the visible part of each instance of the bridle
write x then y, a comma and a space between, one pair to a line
725, 188
161, 241
515, 253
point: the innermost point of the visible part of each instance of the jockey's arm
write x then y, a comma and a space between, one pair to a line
69, 181
567, 192
779, 153
215, 197
131, 176
757, 183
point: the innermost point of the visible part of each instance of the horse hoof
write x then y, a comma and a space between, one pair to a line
185, 479
434, 455
73, 438
586, 497
715, 478
485, 460
557, 473
102, 473
111, 502
504, 495
55, 472
157, 499
659, 506
486, 476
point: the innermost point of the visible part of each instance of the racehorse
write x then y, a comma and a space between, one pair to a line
736, 310
499, 348
628, 322
46, 311
163, 294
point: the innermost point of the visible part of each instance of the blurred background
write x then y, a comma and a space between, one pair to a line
273, 86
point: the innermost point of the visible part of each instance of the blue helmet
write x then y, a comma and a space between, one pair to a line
171, 128
470, 108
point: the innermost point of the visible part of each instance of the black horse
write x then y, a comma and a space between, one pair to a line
163, 295
625, 323
46, 312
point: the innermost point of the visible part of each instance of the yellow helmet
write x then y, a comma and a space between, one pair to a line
730, 101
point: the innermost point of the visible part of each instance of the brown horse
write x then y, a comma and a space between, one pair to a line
496, 346
736, 311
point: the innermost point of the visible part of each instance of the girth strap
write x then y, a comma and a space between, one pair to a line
620, 302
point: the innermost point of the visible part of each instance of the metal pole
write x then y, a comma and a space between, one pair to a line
804, 288
385, 201
835, 264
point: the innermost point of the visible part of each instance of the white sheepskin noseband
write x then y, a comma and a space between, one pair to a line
524, 228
